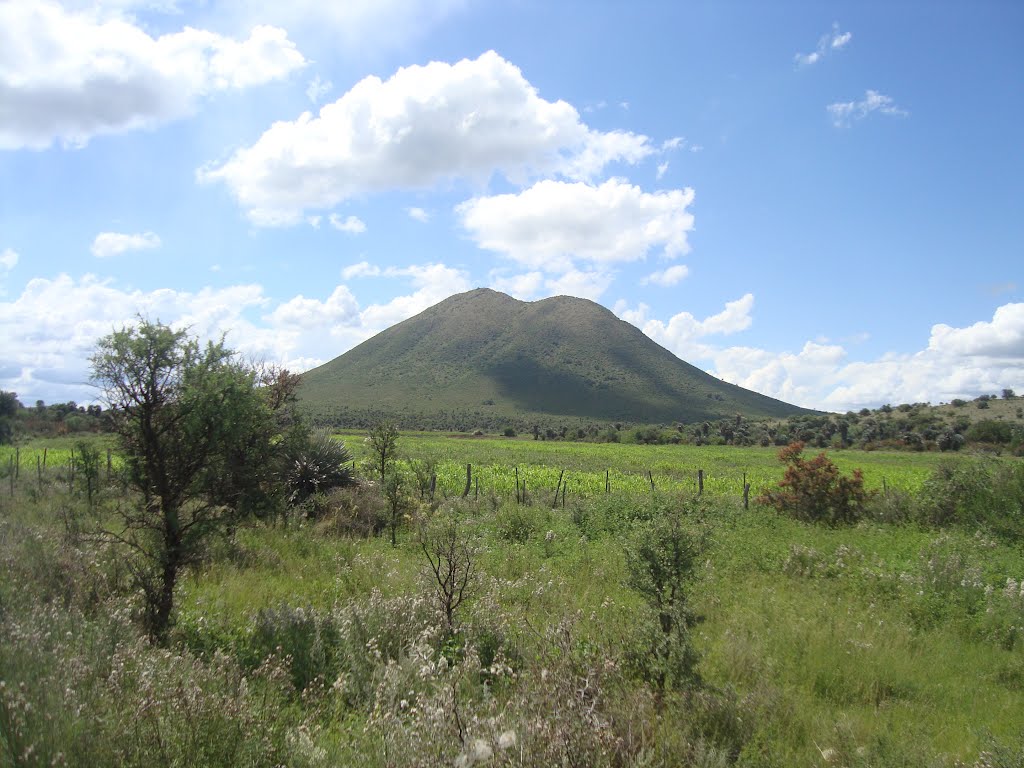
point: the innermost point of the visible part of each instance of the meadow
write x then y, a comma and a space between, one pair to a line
311, 641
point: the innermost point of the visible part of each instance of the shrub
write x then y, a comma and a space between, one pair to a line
814, 490
314, 464
661, 555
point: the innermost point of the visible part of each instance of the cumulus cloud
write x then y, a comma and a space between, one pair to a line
67, 76
109, 244
423, 125
351, 224
832, 41
553, 223
957, 362
667, 277
51, 329
1003, 337
845, 112
418, 214
683, 333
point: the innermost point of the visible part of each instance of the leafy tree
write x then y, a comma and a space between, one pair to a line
661, 555
383, 439
183, 413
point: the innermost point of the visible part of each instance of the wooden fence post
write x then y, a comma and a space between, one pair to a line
557, 489
700, 482
518, 500
469, 480
433, 484
651, 478
746, 495
607, 482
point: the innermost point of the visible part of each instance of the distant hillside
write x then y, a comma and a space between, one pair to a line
483, 358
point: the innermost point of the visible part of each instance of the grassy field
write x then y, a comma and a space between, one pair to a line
878, 644
672, 467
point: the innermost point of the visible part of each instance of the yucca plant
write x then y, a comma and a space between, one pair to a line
315, 464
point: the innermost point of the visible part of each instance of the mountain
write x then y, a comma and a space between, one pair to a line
483, 358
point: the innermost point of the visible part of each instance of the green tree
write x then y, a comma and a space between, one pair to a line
186, 414
383, 437
661, 555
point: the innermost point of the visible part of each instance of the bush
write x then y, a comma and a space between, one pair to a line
315, 463
815, 491
976, 494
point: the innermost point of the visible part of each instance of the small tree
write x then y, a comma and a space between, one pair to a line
185, 414
89, 464
397, 499
451, 558
661, 555
383, 438
815, 491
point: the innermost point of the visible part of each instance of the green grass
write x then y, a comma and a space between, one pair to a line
673, 467
871, 645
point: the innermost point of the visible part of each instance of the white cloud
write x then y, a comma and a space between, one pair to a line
530, 286
958, 362
843, 113
68, 76
832, 41
662, 168
317, 89
1001, 338
418, 214
351, 224
553, 223
683, 333
667, 277
340, 309
362, 269
588, 284
525, 286
8, 259
109, 244
425, 124
50, 330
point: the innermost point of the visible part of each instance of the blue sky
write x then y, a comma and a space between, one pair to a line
820, 201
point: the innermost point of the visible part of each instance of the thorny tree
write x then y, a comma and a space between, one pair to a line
187, 416
450, 553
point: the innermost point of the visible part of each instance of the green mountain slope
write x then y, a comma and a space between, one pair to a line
484, 355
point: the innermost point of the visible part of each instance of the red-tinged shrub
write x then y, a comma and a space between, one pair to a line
814, 490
